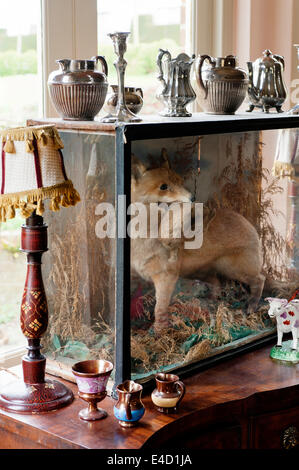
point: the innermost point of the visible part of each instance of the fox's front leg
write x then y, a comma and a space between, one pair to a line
164, 287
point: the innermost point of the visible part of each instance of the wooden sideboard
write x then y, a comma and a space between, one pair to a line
246, 402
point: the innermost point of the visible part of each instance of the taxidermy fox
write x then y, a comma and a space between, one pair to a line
230, 248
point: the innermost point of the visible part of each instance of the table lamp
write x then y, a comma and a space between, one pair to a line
31, 171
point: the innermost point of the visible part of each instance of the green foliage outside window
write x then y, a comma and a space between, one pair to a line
14, 63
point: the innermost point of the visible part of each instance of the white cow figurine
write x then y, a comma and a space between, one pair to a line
287, 317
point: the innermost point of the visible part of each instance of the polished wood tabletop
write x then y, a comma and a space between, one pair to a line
229, 383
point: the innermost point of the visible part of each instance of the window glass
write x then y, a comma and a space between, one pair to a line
20, 98
152, 25
20, 83
221, 297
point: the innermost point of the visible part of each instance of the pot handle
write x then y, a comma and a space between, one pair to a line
182, 387
199, 65
128, 406
140, 92
280, 59
100, 58
161, 54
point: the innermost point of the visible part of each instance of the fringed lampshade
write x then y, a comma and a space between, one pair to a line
287, 153
31, 171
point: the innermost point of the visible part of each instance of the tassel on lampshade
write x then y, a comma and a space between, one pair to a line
31, 171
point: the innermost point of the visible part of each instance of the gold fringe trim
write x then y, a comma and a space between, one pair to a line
27, 134
63, 194
9, 147
283, 169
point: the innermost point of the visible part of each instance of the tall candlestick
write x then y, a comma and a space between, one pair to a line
122, 113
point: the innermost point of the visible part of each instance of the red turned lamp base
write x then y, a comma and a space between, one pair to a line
20, 397
34, 394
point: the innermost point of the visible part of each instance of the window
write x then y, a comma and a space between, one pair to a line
12, 275
153, 25
20, 83
20, 98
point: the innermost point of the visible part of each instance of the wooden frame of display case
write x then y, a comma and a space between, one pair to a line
154, 127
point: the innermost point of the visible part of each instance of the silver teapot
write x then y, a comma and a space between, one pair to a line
176, 91
266, 85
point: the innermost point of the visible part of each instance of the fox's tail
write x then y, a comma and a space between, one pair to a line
284, 289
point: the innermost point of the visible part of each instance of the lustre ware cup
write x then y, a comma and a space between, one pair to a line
92, 377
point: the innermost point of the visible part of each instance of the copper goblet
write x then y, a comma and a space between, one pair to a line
92, 378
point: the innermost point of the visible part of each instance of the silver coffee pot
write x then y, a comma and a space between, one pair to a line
177, 91
266, 85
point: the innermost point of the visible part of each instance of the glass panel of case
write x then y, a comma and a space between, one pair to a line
79, 268
214, 296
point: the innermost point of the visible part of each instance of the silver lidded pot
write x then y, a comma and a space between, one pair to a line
78, 89
133, 99
266, 85
222, 84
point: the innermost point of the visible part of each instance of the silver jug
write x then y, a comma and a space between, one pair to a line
177, 91
266, 85
222, 84
78, 90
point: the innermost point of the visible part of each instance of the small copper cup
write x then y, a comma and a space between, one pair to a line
169, 393
92, 378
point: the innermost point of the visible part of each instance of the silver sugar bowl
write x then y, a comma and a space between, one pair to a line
133, 99
78, 89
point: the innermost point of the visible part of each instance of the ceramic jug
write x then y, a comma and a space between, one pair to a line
78, 90
129, 408
223, 85
168, 393
177, 92
266, 85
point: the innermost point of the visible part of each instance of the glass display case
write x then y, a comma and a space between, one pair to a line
152, 306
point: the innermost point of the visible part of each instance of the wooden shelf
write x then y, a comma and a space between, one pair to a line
226, 405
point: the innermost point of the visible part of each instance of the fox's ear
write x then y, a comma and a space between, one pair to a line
165, 159
137, 167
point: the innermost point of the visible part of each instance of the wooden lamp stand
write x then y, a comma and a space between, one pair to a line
34, 394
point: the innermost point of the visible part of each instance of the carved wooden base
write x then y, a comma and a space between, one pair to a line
19, 397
